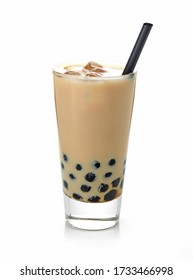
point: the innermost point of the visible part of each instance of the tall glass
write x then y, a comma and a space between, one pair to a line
93, 117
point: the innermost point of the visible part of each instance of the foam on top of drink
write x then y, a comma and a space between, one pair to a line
91, 69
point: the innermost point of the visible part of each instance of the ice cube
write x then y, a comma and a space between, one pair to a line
93, 67
73, 73
91, 64
93, 74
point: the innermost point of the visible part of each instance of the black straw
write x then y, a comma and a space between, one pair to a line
137, 49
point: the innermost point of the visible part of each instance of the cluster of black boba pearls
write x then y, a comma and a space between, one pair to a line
90, 177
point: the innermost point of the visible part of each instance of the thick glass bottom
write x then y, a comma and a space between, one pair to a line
92, 216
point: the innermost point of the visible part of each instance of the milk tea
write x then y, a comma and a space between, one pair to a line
94, 108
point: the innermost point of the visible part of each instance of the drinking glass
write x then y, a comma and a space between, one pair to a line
93, 118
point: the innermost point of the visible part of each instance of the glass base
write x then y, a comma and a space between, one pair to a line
92, 216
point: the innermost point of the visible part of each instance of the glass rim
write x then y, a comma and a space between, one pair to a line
88, 78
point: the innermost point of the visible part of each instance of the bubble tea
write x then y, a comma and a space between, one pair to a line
94, 107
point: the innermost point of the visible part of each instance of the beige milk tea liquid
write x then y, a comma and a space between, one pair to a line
94, 107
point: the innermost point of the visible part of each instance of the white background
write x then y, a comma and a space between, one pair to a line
156, 219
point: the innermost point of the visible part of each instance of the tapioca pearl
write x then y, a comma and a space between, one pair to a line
108, 174
115, 183
77, 196
124, 171
110, 195
90, 177
96, 164
103, 188
85, 188
94, 198
62, 165
72, 176
121, 185
125, 161
65, 157
112, 162
65, 184
78, 167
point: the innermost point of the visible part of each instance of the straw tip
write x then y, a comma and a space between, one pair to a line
148, 24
